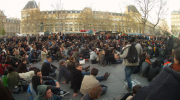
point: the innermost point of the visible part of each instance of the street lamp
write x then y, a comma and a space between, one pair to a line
41, 26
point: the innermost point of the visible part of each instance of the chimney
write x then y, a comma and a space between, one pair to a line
39, 5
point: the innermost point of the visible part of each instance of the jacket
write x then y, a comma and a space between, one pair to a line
125, 53
2, 69
63, 71
89, 81
164, 87
13, 79
102, 60
153, 72
43, 56
145, 69
76, 79
93, 55
75, 55
46, 68
42, 92
22, 68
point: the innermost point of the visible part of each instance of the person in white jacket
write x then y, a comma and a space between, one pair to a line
43, 55
93, 55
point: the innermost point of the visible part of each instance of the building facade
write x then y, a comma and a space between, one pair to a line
175, 23
10, 25
34, 21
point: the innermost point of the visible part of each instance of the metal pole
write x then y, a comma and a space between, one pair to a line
49, 24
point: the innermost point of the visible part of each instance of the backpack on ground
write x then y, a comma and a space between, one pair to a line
132, 55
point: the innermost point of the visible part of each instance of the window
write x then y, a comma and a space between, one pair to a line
68, 11
73, 11
76, 28
70, 29
78, 12
57, 29
66, 22
70, 23
66, 28
76, 23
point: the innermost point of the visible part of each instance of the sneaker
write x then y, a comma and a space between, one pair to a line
128, 89
62, 93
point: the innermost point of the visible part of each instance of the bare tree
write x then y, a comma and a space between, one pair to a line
145, 7
87, 18
32, 21
60, 13
160, 11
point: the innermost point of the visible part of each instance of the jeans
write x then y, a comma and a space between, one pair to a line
104, 89
100, 78
128, 72
53, 74
63, 72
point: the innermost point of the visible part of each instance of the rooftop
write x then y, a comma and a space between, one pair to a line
31, 4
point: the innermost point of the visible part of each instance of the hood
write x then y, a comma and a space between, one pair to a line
42, 90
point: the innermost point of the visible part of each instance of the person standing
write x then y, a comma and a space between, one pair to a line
43, 54
130, 66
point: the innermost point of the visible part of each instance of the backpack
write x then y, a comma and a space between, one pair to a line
132, 55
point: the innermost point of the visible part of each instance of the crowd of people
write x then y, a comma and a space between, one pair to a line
18, 54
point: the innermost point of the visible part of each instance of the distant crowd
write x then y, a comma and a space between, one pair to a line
19, 54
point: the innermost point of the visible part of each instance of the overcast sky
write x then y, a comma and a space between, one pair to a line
12, 8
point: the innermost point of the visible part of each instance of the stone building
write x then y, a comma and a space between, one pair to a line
175, 23
34, 21
10, 25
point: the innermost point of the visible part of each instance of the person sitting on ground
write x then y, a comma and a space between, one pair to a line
17, 55
50, 81
3, 67
90, 81
44, 93
153, 70
136, 88
76, 79
22, 68
169, 62
167, 79
44, 53
9, 61
2, 56
37, 81
13, 78
93, 55
93, 94
71, 64
46, 68
145, 67
63, 71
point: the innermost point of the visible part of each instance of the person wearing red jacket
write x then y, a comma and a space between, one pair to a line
3, 67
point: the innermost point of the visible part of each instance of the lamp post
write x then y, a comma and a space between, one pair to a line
41, 26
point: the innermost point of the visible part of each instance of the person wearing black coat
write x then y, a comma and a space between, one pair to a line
153, 71
76, 79
22, 68
164, 87
46, 68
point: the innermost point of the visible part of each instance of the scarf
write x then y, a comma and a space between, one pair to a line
176, 67
148, 61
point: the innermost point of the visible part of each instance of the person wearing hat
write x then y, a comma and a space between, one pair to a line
63, 71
